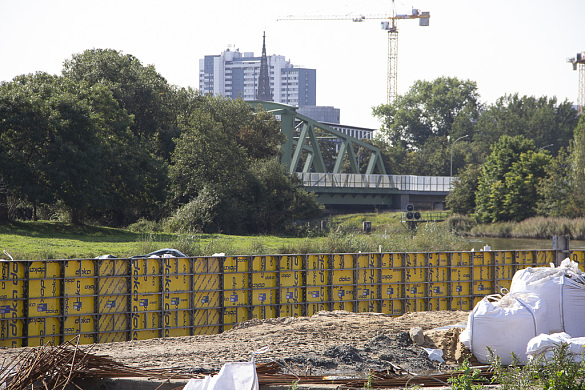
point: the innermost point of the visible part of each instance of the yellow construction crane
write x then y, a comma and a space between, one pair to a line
389, 25
579, 63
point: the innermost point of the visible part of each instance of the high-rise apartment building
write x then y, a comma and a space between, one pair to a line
236, 74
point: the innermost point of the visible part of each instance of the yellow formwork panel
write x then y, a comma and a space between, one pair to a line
525, 258
80, 325
579, 257
145, 326
393, 307
459, 288
461, 303
79, 300
207, 321
461, 259
414, 294
113, 306
347, 306
264, 301
482, 266
436, 304
392, 283
439, 289
176, 297
176, 323
342, 289
233, 315
264, 287
291, 263
317, 270
207, 265
483, 287
415, 305
236, 286
544, 258
391, 268
146, 299
236, 264
342, 293
207, 318
460, 274
342, 270
415, 268
291, 299
317, 281
438, 267
12, 303
43, 330
503, 265
44, 301
368, 275
291, 286
262, 312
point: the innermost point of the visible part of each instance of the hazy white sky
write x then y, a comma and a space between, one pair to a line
506, 46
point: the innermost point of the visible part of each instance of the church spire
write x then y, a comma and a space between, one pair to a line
263, 93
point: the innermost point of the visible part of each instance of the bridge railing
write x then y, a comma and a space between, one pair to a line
399, 182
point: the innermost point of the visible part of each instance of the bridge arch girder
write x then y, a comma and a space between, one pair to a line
306, 143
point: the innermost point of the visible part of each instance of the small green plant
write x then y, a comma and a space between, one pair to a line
294, 385
368, 384
560, 371
563, 372
467, 378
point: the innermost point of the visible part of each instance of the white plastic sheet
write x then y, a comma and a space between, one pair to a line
232, 376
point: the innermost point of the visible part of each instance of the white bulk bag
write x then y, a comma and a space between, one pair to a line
563, 291
505, 325
544, 344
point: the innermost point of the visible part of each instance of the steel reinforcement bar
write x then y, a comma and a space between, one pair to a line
108, 300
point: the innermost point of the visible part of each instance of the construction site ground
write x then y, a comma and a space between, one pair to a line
332, 344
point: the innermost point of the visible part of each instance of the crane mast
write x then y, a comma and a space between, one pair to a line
389, 24
579, 64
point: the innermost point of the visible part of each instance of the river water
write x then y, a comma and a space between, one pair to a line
498, 244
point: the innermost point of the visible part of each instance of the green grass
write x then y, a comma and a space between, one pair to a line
58, 240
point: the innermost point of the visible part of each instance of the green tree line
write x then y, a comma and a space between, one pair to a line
110, 141
517, 158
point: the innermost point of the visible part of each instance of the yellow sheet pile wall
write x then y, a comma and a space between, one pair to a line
108, 300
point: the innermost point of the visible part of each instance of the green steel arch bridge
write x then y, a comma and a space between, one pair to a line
319, 154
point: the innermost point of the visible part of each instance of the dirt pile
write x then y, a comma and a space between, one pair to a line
328, 343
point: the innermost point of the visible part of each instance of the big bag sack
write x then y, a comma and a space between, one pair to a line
505, 324
562, 290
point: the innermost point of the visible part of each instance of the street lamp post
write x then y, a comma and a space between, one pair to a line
452, 145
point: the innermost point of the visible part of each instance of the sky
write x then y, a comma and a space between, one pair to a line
505, 46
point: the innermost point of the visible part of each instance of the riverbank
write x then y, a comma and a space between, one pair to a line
336, 234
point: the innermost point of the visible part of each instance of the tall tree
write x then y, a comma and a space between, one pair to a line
139, 90
445, 106
461, 199
50, 150
542, 120
508, 180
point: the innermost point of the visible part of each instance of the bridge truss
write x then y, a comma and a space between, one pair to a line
302, 146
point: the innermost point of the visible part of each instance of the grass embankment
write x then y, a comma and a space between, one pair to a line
537, 227
57, 240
